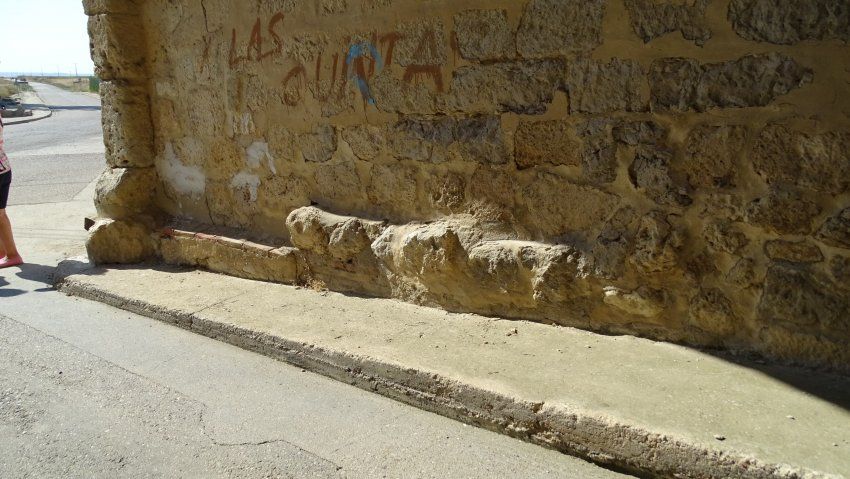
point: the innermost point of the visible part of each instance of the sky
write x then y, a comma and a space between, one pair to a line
44, 35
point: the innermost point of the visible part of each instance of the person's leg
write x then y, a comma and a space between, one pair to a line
11, 256
6, 237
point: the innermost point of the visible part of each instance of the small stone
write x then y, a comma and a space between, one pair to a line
719, 437
791, 418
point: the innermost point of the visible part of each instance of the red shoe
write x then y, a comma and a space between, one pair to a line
8, 263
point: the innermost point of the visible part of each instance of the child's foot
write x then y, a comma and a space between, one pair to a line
8, 262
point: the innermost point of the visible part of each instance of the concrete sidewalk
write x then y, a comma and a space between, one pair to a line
643, 406
30, 101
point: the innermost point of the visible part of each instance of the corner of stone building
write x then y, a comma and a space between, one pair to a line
124, 198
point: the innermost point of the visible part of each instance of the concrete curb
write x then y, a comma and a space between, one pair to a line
27, 119
48, 112
625, 447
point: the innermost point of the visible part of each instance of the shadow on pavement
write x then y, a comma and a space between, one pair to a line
829, 386
75, 107
37, 273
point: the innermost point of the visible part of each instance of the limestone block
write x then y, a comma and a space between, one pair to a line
120, 242
498, 266
802, 299
641, 132
657, 244
836, 230
752, 80
477, 138
127, 126
525, 87
560, 27
394, 188
650, 173
711, 153
711, 311
366, 141
783, 211
320, 232
562, 277
642, 302
787, 23
604, 87
117, 47
320, 145
446, 191
546, 142
484, 35
421, 252
125, 192
840, 269
743, 274
819, 162
599, 155
720, 235
651, 19
341, 184
278, 195
557, 206
492, 186
394, 95
422, 42
233, 257
793, 251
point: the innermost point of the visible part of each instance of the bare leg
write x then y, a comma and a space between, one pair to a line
7, 241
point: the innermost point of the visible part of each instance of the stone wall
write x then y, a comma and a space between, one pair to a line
673, 169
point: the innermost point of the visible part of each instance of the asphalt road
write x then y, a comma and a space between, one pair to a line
91, 391
55, 158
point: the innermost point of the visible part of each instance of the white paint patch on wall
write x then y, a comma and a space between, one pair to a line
186, 180
258, 152
248, 181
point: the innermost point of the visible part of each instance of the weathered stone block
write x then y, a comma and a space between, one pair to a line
546, 142
711, 311
642, 302
422, 43
120, 242
394, 189
320, 145
836, 230
600, 87
651, 19
599, 155
477, 138
366, 141
802, 299
117, 47
127, 126
557, 206
819, 162
650, 173
793, 251
783, 211
560, 27
789, 22
125, 192
657, 244
525, 87
640, 132
484, 35
722, 236
750, 81
711, 154
446, 191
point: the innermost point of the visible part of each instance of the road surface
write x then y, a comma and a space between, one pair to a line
91, 391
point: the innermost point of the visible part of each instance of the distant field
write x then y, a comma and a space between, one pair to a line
7, 88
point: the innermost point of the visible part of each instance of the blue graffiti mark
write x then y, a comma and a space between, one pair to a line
362, 50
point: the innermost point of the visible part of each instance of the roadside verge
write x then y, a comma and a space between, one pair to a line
33, 102
640, 406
